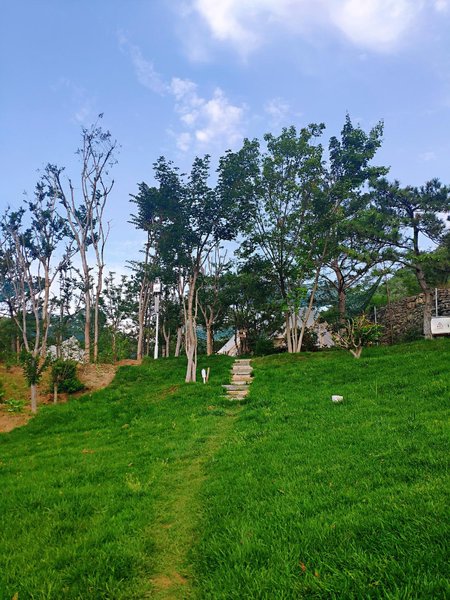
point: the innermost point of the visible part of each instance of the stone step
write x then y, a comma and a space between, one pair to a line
241, 379
237, 395
235, 388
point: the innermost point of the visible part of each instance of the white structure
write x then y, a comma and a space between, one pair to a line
324, 338
440, 325
230, 348
70, 350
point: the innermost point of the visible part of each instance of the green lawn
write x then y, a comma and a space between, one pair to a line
157, 489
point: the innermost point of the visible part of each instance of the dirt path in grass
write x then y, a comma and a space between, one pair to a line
174, 531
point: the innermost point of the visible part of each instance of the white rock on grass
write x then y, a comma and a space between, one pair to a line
337, 399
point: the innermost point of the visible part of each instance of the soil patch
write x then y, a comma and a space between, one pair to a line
94, 377
165, 584
9, 421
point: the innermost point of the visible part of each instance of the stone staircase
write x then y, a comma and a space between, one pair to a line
241, 378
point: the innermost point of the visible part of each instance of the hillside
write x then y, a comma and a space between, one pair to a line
154, 488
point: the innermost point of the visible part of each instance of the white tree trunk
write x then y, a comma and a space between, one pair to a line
34, 398
179, 341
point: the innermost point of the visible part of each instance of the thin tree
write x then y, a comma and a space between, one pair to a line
210, 296
85, 215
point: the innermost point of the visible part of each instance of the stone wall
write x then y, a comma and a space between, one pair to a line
403, 319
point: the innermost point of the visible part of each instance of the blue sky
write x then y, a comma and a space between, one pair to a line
186, 77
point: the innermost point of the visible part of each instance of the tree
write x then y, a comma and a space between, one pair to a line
356, 333
85, 215
201, 217
117, 305
155, 212
353, 249
252, 296
211, 298
27, 258
415, 217
282, 188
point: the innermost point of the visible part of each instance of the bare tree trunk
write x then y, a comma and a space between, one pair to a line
179, 341
33, 389
309, 309
191, 332
140, 342
287, 320
166, 335
427, 305
55, 393
98, 292
209, 339
87, 327
356, 353
340, 287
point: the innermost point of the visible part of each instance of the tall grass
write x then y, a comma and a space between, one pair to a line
87, 487
153, 488
316, 500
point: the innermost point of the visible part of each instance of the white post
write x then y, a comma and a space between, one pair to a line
156, 291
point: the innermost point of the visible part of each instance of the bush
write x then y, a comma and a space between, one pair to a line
64, 376
264, 345
356, 333
310, 342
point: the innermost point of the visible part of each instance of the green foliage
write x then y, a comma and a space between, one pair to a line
14, 406
264, 345
2, 392
33, 366
8, 332
64, 376
357, 333
310, 340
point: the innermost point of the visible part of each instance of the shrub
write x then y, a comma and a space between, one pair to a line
14, 406
310, 341
264, 345
64, 376
357, 333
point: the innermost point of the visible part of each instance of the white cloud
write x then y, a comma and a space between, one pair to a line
204, 121
144, 69
82, 103
278, 111
428, 156
377, 25
441, 5
207, 120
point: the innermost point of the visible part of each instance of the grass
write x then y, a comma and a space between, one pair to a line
90, 489
333, 501
153, 488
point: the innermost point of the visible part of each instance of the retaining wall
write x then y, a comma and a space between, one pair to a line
403, 319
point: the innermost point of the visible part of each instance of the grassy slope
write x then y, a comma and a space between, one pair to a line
94, 492
152, 488
310, 499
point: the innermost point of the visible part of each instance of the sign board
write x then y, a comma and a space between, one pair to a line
440, 325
